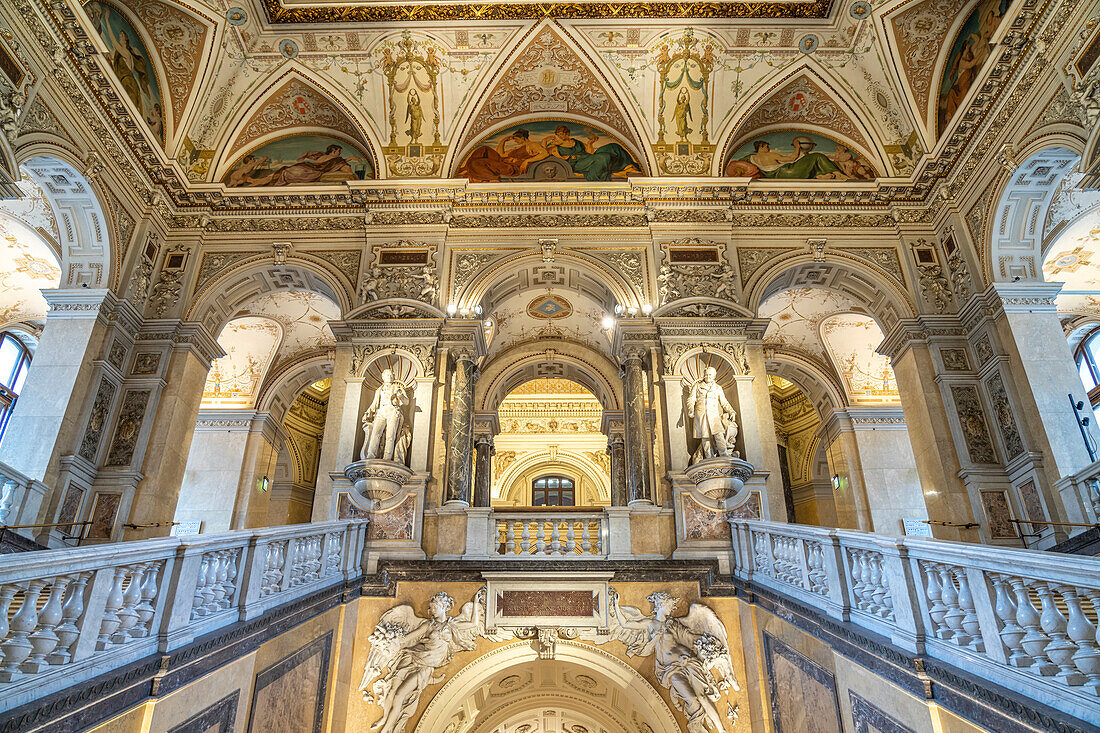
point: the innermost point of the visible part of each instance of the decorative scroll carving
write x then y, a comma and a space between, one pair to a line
702, 310
686, 651
975, 431
166, 292
934, 287
690, 281
344, 260
1002, 412
130, 417
93, 433
218, 263
466, 266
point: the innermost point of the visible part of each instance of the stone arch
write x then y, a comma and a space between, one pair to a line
522, 363
83, 228
565, 462
283, 385
217, 300
527, 270
708, 353
248, 133
1019, 235
883, 298
604, 672
819, 384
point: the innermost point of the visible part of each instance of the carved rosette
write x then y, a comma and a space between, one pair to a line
377, 480
720, 478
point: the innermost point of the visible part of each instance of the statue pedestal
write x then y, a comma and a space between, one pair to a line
377, 480
719, 478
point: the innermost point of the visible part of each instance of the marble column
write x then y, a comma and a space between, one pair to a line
757, 423
460, 435
616, 448
639, 490
483, 470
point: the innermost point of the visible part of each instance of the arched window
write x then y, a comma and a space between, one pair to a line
14, 360
1088, 365
553, 491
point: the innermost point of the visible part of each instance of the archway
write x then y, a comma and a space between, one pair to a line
580, 680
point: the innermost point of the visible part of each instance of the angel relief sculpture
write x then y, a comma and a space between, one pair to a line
406, 650
691, 657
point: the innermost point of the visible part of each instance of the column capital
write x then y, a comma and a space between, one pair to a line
80, 302
463, 337
920, 330
856, 419
182, 334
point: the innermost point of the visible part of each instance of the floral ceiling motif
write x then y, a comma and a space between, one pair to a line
1074, 259
234, 380
797, 315
27, 264
303, 316
518, 319
852, 340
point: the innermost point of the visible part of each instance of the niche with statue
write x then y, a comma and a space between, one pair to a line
387, 403
711, 427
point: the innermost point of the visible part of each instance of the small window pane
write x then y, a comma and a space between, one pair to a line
11, 353
20, 377
1086, 373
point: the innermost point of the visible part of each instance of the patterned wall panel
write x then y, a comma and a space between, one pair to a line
869, 719
803, 693
290, 694
129, 425
218, 718
975, 429
93, 433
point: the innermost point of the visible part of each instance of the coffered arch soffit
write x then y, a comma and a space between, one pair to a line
804, 96
522, 363
527, 270
879, 294
283, 385
820, 384
296, 100
219, 300
583, 90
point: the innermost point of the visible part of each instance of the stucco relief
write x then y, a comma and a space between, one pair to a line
920, 32
975, 429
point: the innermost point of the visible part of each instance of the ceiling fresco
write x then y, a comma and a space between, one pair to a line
303, 317
796, 316
234, 380
27, 264
1074, 259
519, 319
483, 99
851, 340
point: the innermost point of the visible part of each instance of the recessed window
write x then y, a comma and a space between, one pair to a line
1088, 365
553, 491
14, 360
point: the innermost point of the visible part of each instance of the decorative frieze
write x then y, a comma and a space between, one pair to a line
97, 420
130, 418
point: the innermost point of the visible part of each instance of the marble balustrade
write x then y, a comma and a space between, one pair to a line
548, 534
1081, 493
70, 615
1024, 619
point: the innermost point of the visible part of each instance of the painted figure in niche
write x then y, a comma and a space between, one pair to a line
594, 163
414, 115
788, 155
715, 420
130, 62
687, 652
512, 156
409, 649
967, 56
384, 418
299, 160
682, 113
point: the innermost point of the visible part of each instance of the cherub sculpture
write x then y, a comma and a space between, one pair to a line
406, 650
691, 656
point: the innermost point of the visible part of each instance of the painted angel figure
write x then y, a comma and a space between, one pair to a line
408, 649
690, 655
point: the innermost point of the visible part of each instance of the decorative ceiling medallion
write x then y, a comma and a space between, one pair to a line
236, 16
549, 306
374, 11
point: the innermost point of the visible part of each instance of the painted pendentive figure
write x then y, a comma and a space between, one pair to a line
384, 418
686, 653
715, 420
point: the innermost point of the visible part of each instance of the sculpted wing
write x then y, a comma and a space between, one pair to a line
711, 644
387, 639
637, 640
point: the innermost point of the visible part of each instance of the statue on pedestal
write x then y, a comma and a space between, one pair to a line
383, 420
715, 421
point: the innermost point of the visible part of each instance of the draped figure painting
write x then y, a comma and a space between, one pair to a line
968, 54
300, 160
796, 154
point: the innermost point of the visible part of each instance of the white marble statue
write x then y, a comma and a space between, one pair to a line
715, 421
384, 418
407, 649
691, 657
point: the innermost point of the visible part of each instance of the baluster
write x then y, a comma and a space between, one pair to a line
932, 590
217, 588
7, 594
570, 538
44, 640
1010, 632
970, 618
1060, 650
67, 630
555, 536
878, 589
145, 609
230, 582
954, 616
198, 604
130, 599
18, 646
509, 538
1083, 635
856, 571
1034, 641
111, 619
540, 538
7, 498
525, 539
1089, 664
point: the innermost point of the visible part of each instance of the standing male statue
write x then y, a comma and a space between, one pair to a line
715, 419
384, 417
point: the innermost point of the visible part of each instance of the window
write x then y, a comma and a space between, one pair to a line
14, 360
553, 491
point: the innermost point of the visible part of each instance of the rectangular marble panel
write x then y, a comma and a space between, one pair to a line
803, 693
577, 603
103, 516
348, 509
869, 719
1033, 503
999, 514
290, 694
97, 420
130, 417
218, 718
975, 429
70, 506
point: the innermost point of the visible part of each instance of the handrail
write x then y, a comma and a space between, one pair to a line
65, 614
1024, 619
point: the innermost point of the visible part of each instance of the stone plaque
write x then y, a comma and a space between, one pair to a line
580, 603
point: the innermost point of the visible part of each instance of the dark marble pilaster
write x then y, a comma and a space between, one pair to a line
616, 448
483, 477
460, 450
637, 456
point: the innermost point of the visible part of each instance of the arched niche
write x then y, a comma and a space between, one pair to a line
406, 370
691, 369
513, 486
83, 229
501, 683
568, 360
822, 386
877, 293
221, 298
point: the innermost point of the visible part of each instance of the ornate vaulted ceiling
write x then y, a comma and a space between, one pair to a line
227, 105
